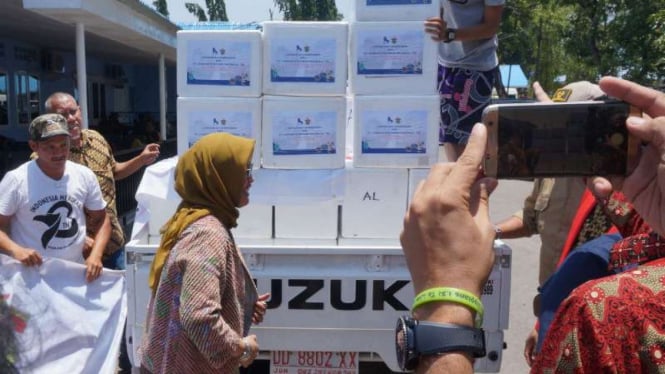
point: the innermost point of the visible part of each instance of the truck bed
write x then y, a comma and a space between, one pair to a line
329, 298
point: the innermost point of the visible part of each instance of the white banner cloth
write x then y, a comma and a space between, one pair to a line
71, 326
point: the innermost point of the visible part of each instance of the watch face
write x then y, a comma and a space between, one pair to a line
404, 344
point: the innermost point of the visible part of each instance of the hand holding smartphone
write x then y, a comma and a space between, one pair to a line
533, 140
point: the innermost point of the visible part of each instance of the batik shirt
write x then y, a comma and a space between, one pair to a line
614, 324
95, 153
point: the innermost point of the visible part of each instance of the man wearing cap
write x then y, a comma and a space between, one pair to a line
89, 148
45, 202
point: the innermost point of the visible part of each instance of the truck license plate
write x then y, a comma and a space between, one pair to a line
305, 362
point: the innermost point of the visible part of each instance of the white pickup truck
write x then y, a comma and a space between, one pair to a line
334, 304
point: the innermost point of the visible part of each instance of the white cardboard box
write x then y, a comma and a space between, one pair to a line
199, 116
395, 131
415, 177
392, 58
303, 132
317, 220
254, 222
374, 203
219, 63
395, 10
304, 58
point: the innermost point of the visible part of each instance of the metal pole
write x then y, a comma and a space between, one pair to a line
81, 73
162, 96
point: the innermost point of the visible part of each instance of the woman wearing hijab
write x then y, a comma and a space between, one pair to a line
204, 300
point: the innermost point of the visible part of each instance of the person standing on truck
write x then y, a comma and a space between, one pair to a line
467, 32
47, 204
204, 299
89, 148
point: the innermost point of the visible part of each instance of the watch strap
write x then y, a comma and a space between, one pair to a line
451, 35
435, 338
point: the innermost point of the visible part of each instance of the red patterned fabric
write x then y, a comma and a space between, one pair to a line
639, 245
637, 249
614, 324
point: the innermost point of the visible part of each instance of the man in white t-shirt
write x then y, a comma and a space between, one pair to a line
44, 201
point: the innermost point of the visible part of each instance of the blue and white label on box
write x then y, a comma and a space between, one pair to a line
386, 132
304, 133
397, 2
218, 62
303, 60
204, 123
390, 52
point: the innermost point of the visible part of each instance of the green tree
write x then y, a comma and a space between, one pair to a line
530, 36
160, 6
584, 40
216, 11
309, 10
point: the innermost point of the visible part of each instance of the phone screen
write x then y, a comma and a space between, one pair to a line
562, 139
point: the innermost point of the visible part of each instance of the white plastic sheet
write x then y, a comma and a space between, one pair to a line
71, 326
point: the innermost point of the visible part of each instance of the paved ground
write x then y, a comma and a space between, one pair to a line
509, 197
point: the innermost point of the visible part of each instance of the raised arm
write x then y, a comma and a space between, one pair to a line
148, 156
447, 242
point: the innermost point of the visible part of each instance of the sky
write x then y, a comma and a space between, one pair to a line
241, 11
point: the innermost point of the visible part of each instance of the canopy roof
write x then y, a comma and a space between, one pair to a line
513, 76
122, 30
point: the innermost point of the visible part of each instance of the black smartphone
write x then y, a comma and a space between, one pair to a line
528, 140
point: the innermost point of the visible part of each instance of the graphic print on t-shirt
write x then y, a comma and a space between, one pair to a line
59, 223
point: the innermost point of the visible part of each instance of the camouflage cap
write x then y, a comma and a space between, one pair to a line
578, 91
47, 126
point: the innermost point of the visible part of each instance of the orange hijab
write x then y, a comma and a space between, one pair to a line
210, 178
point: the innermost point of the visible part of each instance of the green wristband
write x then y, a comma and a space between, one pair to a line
453, 295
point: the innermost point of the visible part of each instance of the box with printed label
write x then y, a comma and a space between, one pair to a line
392, 58
219, 63
395, 131
199, 116
304, 58
303, 132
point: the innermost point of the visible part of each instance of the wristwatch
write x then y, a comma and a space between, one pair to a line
450, 35
414, 339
